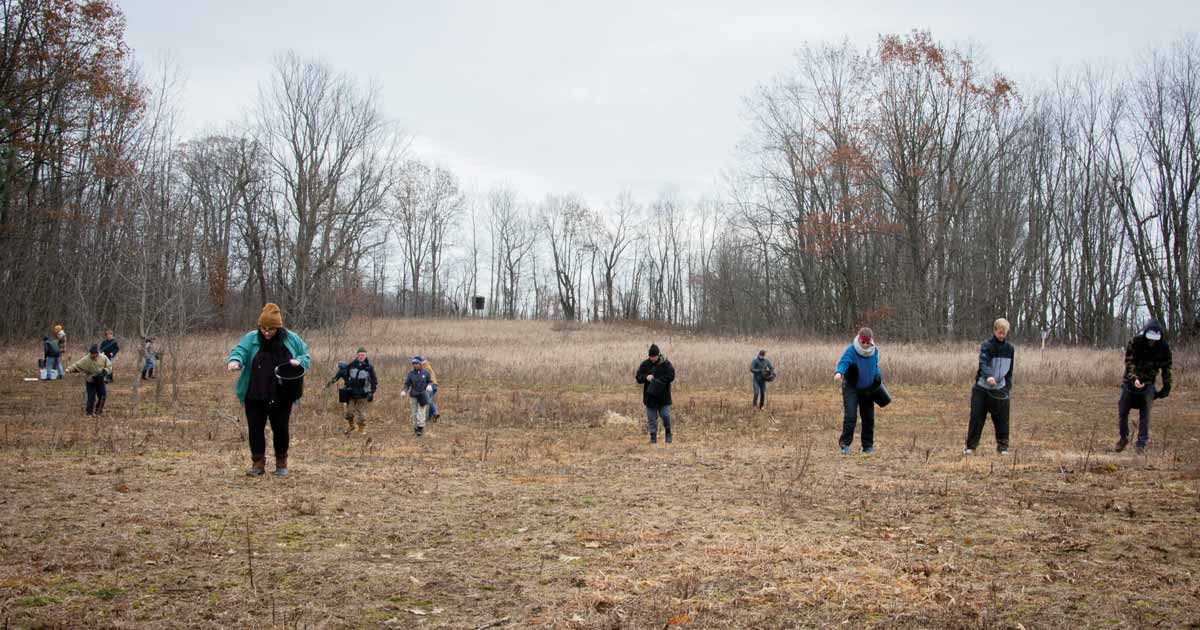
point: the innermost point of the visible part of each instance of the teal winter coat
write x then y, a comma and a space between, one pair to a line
248, 347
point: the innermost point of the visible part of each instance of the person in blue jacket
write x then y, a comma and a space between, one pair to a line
860, 378
260, 352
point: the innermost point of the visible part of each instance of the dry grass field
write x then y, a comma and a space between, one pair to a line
537, 503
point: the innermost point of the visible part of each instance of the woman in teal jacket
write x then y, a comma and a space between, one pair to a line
262, 351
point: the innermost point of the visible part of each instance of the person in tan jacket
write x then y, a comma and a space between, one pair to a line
96, 367
433, 410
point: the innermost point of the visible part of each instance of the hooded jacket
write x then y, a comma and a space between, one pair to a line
360, 379
1144, 360
50, 348
656, 392
996, 361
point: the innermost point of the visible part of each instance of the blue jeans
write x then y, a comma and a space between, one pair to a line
652, 416
54, 364
855, 404
760, 392
1142, 400
432, 406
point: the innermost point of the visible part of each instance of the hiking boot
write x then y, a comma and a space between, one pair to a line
419, 431
281, 466
868, 450
362, 428
845, 449
1002, 451
668, 438
968, 451
257, 467
654, 438
1121, 444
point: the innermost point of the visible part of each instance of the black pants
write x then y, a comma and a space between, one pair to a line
96, 391
854, 404
258, 412
1142, 400
982, 404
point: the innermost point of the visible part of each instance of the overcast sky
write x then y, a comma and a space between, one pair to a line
598, 97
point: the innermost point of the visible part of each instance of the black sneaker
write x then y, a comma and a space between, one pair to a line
1121, 444
668, 438
654, 438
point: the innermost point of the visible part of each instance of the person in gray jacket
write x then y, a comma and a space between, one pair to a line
762, 372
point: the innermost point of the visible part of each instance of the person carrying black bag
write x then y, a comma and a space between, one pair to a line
656, 375
417, 386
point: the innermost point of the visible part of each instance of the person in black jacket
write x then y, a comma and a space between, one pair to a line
1145, 355
52, 357
656, 375
992, 389
109, 348
361, 384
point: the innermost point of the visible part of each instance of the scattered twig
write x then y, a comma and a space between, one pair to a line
493, 624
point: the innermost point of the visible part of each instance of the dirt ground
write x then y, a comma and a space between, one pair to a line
543, 506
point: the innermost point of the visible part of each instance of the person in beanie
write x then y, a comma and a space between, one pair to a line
761, 371
60, 337
109, 348
418, 387
1145, 355
656, 374
433, 409
52, 357
95, 368
858, 373
360, 388
260, 352
993, 385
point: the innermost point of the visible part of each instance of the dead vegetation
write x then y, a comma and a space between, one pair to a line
535, 502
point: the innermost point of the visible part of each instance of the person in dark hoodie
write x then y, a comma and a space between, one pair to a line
762, 371
858, 373
656, 374
1145, 356
261, 351
361, 384
52, 357
993, 385
417, 387
109, 348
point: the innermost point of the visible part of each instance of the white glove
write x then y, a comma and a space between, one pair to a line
234, 365
429, 388
649, 377
837, 378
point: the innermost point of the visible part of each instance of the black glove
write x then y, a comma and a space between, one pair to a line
371, 397
1163, 393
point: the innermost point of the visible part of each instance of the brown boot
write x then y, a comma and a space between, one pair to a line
362, 427
281, 466
349, 425
257, 467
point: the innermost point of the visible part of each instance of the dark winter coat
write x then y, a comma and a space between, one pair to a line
760, 367
271, 354
1143, 361
656, 392
416, 382
50, 348
110, 348
360, 379
996, 361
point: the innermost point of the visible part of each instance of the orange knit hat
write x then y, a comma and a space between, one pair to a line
270, 317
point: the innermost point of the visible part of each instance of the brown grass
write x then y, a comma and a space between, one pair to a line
537, 500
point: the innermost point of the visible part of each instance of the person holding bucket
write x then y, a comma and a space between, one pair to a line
275, 361
418, 387
993, 385
361, 384
862, 388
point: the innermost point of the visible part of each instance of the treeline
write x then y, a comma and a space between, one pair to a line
904, 186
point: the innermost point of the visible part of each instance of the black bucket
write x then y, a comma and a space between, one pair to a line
289, 382
882, 397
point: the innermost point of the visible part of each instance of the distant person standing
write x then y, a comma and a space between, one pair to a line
762, 372
656, 374
260, 352
109, 348
60, 337
52, 357
418, 387
148, 366
1145, 356
858, 373
433, 409
991, 392
95, 368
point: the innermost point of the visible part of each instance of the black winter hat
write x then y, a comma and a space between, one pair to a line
94, 349
654, 350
